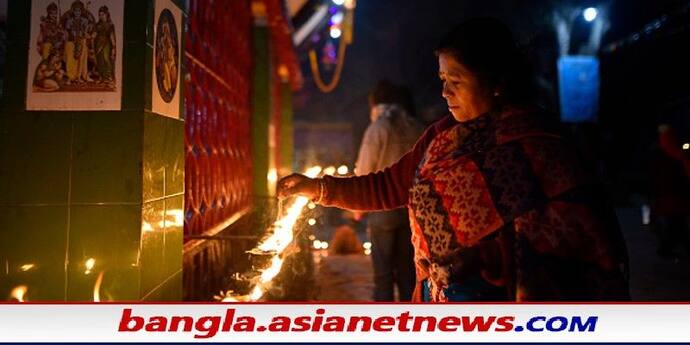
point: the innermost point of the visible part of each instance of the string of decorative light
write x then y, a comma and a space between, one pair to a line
670, 23
345, 35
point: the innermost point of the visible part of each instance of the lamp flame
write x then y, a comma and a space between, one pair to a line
272, 271
256, 293
19, 292
276, 244
229, 299
97, 288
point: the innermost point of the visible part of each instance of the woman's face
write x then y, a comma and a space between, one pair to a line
466, 96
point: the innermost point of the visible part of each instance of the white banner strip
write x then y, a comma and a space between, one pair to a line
302, 323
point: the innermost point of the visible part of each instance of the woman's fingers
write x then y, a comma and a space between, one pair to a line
292, 185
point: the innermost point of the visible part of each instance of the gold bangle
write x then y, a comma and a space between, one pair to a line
322, 190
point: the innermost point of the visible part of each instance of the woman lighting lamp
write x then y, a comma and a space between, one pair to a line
500, 205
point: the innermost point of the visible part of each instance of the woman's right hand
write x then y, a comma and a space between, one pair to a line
297, 184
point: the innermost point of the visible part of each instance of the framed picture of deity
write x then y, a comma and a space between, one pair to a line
75, 55
167, 59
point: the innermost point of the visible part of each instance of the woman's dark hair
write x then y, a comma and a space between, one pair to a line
486, 47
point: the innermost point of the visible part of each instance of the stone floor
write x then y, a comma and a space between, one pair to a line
343, 277
350, 278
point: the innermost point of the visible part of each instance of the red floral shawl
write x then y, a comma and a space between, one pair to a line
507, 188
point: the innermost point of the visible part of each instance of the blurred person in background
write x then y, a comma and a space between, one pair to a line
345, 242
670, 192
391, 133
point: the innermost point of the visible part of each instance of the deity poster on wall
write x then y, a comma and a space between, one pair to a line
167, 53
75, 55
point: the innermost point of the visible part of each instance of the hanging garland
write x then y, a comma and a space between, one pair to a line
345, 40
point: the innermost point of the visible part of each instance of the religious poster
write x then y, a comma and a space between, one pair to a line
75, 55
167, 58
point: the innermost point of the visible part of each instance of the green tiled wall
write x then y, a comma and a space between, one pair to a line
106, 147
152, 259
90, 194
110, 236
174, 223
163, 153
33, 243
24, 136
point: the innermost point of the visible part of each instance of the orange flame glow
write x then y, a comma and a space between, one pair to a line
26, 267
19, 292
97, 288
276, 244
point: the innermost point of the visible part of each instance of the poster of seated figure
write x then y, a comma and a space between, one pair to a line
167, 58
75, 55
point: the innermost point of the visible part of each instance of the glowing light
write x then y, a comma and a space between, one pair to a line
170, 218
316, 244
273, 270
276, 243
26, 267
590, 14
97, 288
329, 171
272, 178
311, 205
19, 292
256, 293
282, 235
339, 2
337, 18
312, 237
177, 214
686, 146
366, 245
324, 245
231, 296
367, 252
146, 227
90, 263
343, 170
312, 221
335, 33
